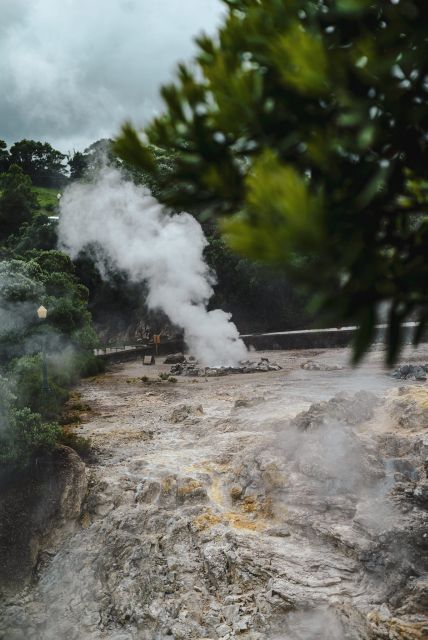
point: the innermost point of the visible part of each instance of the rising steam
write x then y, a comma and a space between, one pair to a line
131, 229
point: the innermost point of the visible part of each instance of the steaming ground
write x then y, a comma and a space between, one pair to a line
279, 506
126, 228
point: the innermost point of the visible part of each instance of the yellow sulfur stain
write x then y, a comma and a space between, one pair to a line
206, 520
400, 630
85, 520
188, 488
417, 393
167, 484
231, 518
243, 522
250, 505
215, 492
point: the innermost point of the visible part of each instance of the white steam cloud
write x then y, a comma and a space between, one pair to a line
132, 230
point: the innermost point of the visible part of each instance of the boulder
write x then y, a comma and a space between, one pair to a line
175, 358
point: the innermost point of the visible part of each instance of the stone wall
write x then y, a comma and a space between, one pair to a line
317, 338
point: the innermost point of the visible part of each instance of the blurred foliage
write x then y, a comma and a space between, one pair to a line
302, 126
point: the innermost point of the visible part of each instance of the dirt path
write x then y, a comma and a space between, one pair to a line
213, 513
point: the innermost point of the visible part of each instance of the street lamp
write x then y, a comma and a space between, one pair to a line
42, 313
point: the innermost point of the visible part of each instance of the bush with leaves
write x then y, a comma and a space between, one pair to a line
38, 233
47, 277
26, 376
303, 128
22, 432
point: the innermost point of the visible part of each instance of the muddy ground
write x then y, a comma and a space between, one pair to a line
283, 505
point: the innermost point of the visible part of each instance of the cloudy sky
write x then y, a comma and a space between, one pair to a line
73, 70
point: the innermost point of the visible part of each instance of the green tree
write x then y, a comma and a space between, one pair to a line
77, 163
4, 157
92, 159
48, 278
22, 432
44, 164
17, 200
39, 233
303, 128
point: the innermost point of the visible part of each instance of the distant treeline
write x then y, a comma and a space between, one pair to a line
48, 167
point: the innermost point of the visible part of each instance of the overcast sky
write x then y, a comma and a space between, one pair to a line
73, 70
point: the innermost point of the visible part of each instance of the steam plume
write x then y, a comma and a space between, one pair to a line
130, 228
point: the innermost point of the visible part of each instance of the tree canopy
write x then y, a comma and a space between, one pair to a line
4, 156
92, 159
17, 200
39, 160
302, 127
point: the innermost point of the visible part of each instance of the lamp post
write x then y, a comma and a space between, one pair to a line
42, 313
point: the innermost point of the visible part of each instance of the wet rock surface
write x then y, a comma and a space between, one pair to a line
38, 509
262, 507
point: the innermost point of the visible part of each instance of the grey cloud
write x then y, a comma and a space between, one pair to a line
73, 71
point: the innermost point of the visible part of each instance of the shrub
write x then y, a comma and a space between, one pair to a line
89, 365
22, 432
28, 412
27, 373
80, 444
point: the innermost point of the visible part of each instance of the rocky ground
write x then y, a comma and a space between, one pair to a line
281, 505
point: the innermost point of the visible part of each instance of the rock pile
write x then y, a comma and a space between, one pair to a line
193, 369
411, 372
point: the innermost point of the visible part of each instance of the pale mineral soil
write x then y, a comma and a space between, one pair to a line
212, 513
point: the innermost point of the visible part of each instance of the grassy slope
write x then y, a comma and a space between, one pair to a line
47, 199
